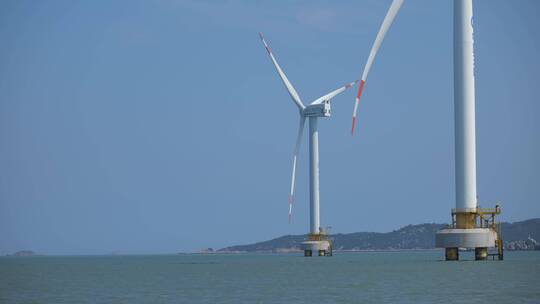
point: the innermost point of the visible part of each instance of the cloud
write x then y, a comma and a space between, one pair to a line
318, 17
282, 16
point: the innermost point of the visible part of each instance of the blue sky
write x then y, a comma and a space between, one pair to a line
161, 126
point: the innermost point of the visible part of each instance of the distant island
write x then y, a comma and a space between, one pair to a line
516, 236
23, 253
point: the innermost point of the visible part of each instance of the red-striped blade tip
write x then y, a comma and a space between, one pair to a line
360, 88
265, 44
349, 85
357, 101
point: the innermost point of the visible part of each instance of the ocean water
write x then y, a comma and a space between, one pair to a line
364, 277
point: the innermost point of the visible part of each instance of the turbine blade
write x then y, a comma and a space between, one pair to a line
356, 102
286, 82
295, 156
387, 22
390, 15
332, 94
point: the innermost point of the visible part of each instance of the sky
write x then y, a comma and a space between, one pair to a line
162, 126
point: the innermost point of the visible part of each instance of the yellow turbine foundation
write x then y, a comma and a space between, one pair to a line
472, 228
317, 244
465, 220
452, 254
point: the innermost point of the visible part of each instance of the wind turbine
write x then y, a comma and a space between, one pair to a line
318, 240
472, 227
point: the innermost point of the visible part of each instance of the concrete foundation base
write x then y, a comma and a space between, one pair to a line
465, 238
317, 248
451, 239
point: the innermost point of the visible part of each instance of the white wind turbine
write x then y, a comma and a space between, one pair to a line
469, 228
318, 108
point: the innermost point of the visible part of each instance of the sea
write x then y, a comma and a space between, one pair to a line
355, 277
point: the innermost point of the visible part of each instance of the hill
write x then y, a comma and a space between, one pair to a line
516, 236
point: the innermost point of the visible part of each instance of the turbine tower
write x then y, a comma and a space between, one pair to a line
317, 241
472, 227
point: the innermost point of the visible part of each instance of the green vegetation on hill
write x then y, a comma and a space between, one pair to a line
517, 236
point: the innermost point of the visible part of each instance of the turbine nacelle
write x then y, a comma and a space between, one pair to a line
318, 110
